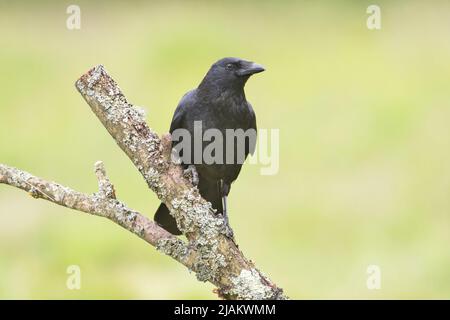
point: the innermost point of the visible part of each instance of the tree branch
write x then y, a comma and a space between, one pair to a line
210, 253
100, 204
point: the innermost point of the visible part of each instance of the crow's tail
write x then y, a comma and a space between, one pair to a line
165, 220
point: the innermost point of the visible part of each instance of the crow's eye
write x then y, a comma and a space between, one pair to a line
230, 66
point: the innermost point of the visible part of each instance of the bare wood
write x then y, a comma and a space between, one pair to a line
210, 253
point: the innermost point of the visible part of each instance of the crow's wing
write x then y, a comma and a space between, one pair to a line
177, 118
180, 111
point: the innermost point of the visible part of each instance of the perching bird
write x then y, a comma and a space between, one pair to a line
219, 103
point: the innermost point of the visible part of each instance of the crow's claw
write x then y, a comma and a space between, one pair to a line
228, 231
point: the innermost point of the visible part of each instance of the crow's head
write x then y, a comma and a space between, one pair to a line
231, 73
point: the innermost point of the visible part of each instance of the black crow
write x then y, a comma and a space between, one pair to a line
217, 103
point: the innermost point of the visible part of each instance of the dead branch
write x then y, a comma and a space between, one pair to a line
209, 252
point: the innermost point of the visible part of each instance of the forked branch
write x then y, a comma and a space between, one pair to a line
208, 251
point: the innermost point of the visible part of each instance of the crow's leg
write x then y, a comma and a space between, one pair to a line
191, 173
225, 210
228, 231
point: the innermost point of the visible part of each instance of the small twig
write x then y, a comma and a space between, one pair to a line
105, 187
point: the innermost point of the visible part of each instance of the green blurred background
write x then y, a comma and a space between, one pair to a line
364, 123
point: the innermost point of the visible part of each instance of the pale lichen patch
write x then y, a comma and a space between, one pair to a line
172, 247
249, 285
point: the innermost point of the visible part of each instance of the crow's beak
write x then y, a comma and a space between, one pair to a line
250, 68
